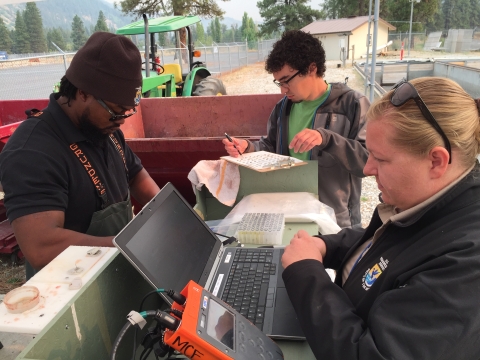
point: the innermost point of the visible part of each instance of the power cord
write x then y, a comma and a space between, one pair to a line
164, 321
178, 298
136, 327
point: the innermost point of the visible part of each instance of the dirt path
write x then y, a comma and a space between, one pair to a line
253, 79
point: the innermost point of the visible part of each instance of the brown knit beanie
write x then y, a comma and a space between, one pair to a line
108, 67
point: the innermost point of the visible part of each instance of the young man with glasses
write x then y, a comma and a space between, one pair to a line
315, 121
67, 172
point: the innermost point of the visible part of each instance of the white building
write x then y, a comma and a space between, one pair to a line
349, 32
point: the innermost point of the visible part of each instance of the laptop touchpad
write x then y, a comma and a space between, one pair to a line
285, 321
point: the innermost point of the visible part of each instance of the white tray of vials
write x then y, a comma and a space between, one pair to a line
261, 228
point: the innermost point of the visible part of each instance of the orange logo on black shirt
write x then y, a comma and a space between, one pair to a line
88, 167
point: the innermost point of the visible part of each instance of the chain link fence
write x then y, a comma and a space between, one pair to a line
450, 41
418, 40
33, 76
221, 58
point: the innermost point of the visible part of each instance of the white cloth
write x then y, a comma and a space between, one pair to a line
297, 207
221, 178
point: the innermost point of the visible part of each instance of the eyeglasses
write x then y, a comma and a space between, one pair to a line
115, 117
404, 91
285, 83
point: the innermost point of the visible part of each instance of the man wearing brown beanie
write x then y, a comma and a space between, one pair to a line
67, 172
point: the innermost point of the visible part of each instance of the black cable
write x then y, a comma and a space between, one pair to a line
145, 352
175, 312
120, 335
175, 296
136, 327
134, 343
146, 296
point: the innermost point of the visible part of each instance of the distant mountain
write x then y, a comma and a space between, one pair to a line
60, 13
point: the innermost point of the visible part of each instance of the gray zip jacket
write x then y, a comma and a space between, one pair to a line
341, 156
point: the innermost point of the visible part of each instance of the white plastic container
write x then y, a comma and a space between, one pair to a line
261, 228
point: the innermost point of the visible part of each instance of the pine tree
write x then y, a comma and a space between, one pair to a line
12, 37
78, 35
171, 7
211, 29
200, 32
460, 14
237, 33
55, 36
286, 14
101, 22
336, 9
162, 39
217, 31
252, 30
67, 37
5, 40
248, 28
233, 30
34, 26
22, 43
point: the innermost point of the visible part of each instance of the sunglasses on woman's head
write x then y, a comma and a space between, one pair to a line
404, 91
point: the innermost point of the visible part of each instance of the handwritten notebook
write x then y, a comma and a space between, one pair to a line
263, 161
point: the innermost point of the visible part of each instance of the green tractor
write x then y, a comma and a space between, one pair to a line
165, 80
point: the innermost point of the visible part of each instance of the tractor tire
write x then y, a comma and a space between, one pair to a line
210, 86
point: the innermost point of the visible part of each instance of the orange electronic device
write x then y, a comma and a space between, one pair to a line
211, 329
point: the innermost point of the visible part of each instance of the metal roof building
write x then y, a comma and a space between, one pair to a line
350, 33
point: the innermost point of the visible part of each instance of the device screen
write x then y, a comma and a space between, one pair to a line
173, 246
220, 323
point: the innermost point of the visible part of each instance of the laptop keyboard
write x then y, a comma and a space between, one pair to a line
246, 289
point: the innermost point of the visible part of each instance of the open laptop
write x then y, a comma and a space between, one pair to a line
169, 244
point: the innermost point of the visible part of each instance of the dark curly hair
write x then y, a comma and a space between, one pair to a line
297, 49
67, 89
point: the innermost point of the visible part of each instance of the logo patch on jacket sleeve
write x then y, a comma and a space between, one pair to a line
373, 273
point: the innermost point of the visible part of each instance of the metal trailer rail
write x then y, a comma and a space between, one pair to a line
379, 90
464, 71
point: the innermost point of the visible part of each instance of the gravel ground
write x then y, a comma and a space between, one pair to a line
240, 82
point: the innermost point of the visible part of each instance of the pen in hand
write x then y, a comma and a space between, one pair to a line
231, 140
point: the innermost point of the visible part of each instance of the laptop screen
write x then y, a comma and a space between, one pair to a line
169, 243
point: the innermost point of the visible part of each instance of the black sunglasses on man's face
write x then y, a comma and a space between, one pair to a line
285, 83
404, 91
115, 117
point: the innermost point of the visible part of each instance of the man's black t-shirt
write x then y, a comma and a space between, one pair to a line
39, 172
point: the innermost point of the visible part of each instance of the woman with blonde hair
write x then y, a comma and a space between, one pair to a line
408, 285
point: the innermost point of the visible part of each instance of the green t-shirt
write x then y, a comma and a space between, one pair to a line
301, 117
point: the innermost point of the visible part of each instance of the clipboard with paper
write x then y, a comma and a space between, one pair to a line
263, 161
